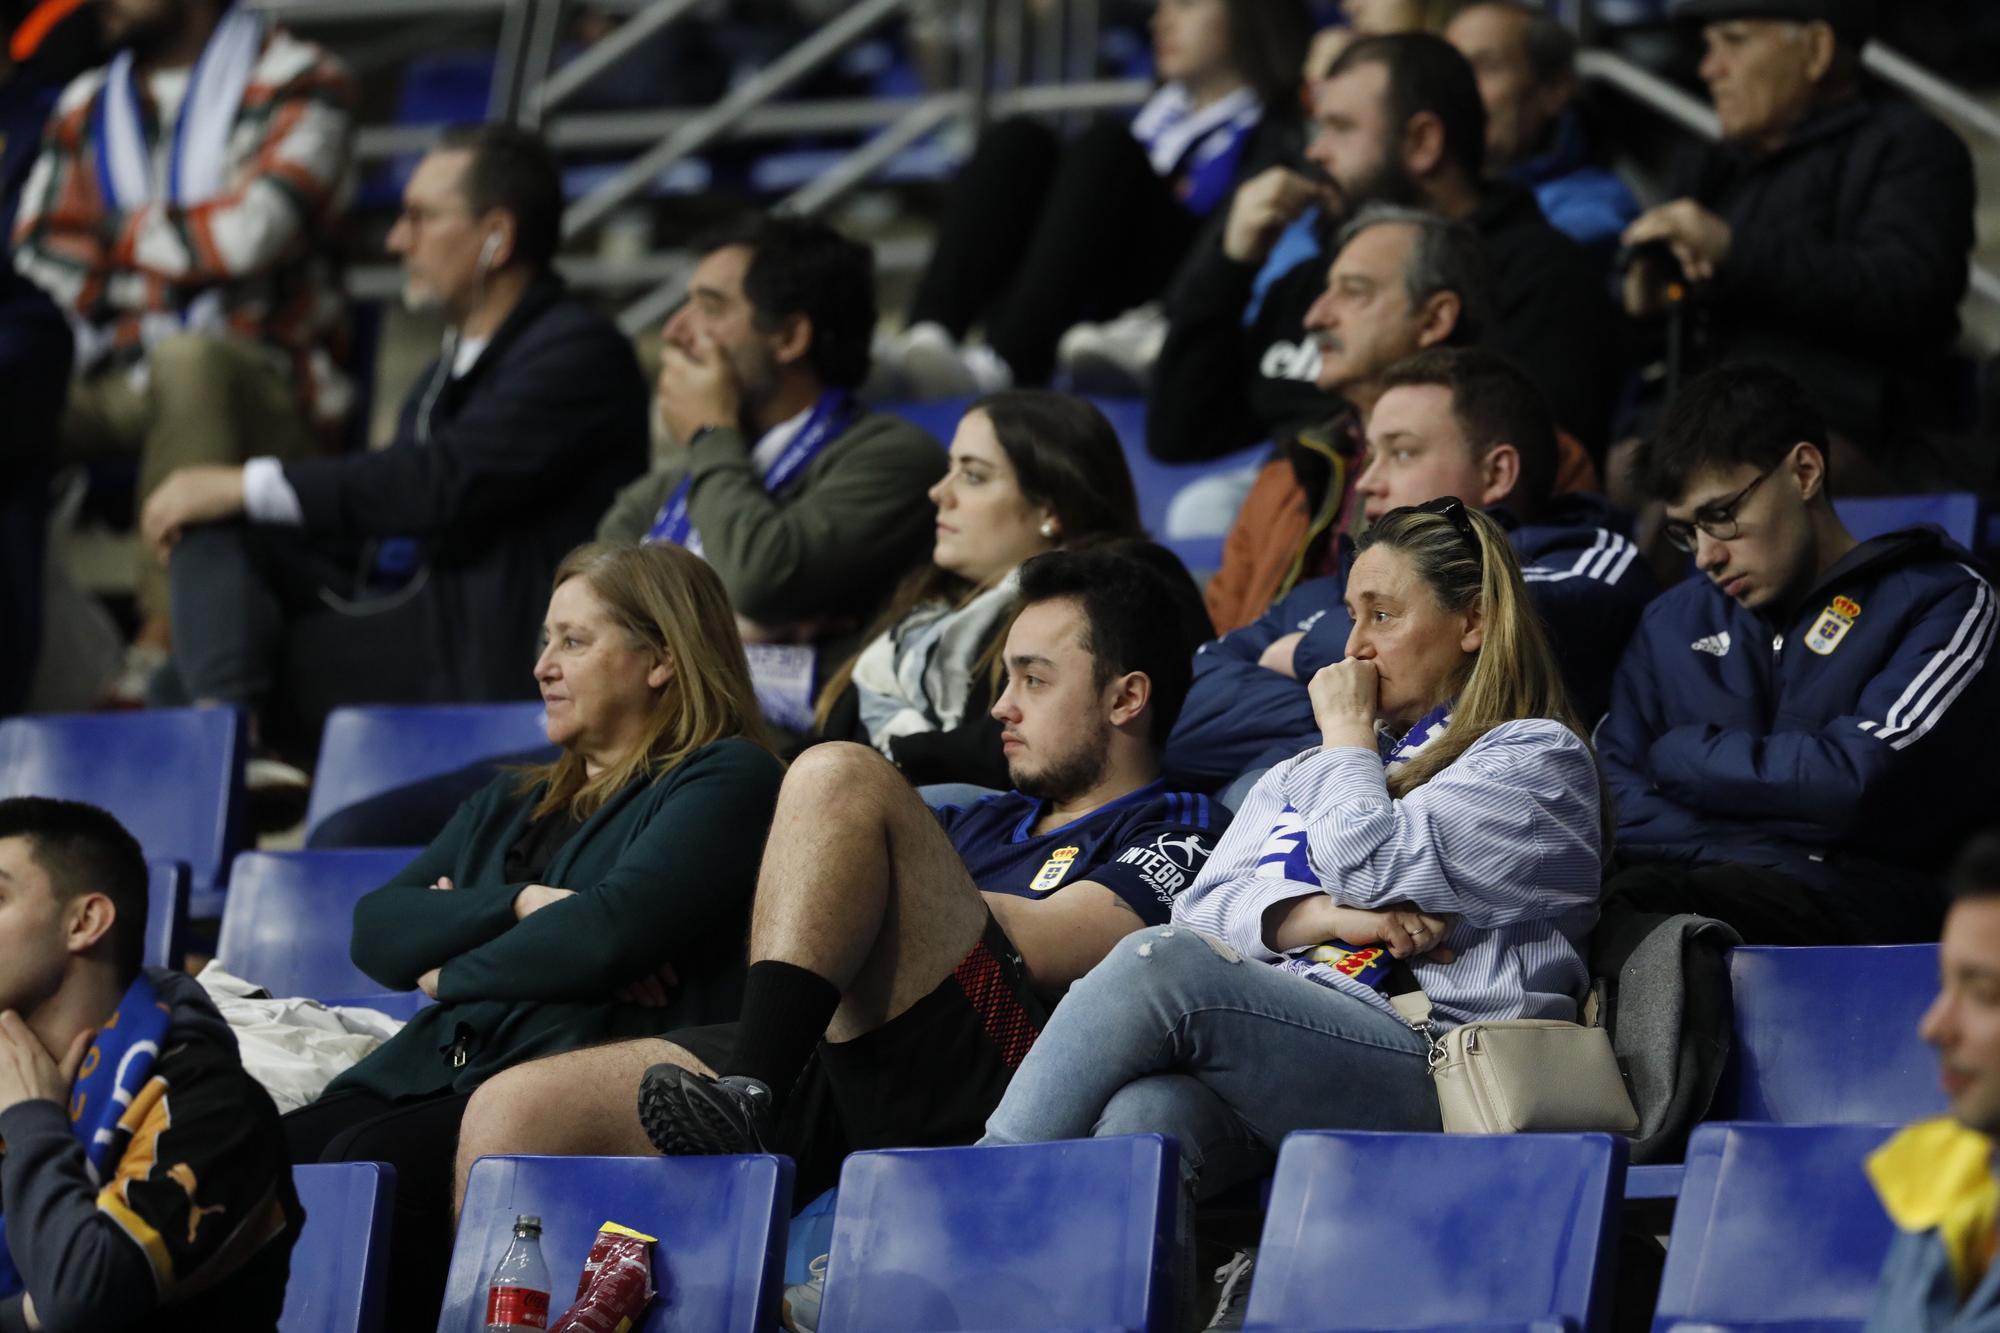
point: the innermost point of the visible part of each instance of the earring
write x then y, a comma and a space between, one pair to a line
1049, 529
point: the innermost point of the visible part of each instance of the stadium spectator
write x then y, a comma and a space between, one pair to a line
1027, 244
410, 574
1031, 471
1815, 177
809, 507
1797, 737
1450, 421
1525, 60
925, 948
34, 374
145, 1178
184, 212
1935, 1178
599, 897
1453, 816
1399, 121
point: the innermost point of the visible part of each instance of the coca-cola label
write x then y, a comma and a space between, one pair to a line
516, 1307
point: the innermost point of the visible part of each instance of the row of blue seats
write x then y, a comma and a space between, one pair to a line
1778, 1227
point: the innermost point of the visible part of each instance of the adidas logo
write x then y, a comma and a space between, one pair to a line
1718, 644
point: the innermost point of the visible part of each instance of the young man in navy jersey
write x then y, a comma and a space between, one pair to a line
1798, 737
1449, 421
904, 960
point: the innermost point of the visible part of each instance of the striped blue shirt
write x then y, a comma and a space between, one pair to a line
1505, 840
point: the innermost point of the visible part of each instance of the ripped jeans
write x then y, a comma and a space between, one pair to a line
1175, 1033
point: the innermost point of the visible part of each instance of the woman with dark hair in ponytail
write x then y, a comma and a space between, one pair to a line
1453, 816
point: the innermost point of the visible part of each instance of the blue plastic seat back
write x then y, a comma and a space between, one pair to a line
1454, 1229
720, 1222
1829, 1036
1777, 1225
340, 1266
290, 918
1073, 1235
367, 751
166, 912
172, 776
1957, 512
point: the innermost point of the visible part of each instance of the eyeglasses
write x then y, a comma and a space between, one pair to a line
1717, 520
1452, 511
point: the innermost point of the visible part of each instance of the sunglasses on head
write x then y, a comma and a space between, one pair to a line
1450, 509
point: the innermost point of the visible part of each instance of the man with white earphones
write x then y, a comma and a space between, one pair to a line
416, 573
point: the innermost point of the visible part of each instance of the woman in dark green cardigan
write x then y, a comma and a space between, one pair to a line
604, 896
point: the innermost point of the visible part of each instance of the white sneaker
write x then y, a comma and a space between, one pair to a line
1234, 1301
935, 366
1114, 359
800, 1310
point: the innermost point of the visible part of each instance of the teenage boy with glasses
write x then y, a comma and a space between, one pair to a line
1798, 737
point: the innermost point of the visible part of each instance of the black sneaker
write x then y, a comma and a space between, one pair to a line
687, 1114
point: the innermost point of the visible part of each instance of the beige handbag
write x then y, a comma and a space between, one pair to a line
1526, 1075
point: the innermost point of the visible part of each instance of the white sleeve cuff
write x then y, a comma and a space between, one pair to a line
268, 497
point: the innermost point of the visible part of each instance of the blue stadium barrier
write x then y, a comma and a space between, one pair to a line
172, 776
720, 1223
290, 918
1777, 1228
166, 913
1065, 1236
1959, 513
1516, 1230
1858, 1062
340, 1266
367, 751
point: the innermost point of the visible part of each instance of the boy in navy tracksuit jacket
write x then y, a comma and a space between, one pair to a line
1798, 740
1451, 422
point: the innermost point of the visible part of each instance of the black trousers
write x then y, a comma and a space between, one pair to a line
1038, 234
1766, 907
262, 614
419, 1139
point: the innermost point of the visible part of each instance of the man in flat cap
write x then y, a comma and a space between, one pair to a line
1826, 234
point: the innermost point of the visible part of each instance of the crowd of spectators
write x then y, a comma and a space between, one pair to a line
1516, 654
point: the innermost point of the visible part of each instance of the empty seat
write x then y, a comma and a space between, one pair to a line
720, 1222
1857, 1060
166, 912
1050, 1236
172, 776
1376, 1231
341, 1262
365, 752
1959, 513
1777, 1227
291, 915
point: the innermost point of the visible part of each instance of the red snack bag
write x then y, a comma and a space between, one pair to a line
616, 1286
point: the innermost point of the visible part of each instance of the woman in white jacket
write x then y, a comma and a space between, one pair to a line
1453, 817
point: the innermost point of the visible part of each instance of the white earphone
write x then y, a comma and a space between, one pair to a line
488, 250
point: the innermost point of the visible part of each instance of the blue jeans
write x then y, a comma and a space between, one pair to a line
1176, 1033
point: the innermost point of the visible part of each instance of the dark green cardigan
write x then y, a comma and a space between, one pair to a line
664, 872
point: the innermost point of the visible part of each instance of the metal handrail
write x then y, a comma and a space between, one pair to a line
1939, 93
628, 37
1646, 87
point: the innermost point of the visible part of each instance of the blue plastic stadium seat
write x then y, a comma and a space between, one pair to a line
166, 912
1858, 1061
367, 751
1052, 1236
1515, 1230
1777, 1228
340, 1265
290, 918
720, 1222
172, 776
1957, 512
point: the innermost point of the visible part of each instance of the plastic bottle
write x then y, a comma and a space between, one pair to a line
518, 1295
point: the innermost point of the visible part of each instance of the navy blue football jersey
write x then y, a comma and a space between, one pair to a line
1146, 846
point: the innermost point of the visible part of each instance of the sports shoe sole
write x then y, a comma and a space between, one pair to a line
681, 1125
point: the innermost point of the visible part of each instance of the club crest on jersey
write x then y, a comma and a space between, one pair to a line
1832, 625
1052, 871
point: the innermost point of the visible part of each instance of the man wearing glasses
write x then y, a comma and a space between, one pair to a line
1799, 736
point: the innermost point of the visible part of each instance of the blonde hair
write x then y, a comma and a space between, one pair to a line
1514, 673
670, 603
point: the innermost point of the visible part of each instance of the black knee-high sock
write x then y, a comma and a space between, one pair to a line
785, 1012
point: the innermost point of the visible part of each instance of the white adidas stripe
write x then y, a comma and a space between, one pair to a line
1947, 674
1606, 561
1962, 675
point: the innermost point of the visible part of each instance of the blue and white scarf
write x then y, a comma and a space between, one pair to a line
114, 1070
831, 416
1285, 856
1198, 150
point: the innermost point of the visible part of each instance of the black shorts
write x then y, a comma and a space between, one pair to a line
928, 1077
